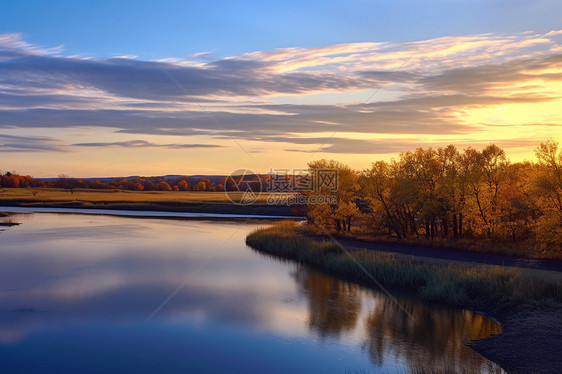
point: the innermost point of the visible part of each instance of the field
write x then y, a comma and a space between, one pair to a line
184, 201
96, 196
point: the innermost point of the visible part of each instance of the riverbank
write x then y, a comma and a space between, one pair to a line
10, 210
526, 302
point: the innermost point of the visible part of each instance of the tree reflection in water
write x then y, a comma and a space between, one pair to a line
334, 305
433, 336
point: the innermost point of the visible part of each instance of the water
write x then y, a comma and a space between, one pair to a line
140, 213
81, 293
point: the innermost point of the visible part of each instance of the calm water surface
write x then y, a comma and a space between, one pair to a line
77, 293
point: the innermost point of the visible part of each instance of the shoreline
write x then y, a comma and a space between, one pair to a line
141, 213
527, 344
218, 203
162, 208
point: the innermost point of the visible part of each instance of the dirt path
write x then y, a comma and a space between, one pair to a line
457, 255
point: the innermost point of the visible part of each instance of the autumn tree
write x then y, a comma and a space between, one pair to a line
183, 185
344, 192
417, 180
377, 185
163, 186
346, 212
548, 187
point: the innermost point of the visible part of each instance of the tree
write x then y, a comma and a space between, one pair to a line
377, 185
148, 185
548, 186
67, 183
347, 211
163, 186
344, 192
183, 185
451, 190
486, 176
200, 186
417, 178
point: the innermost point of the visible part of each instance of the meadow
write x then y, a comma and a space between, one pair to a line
177, 201
46, 195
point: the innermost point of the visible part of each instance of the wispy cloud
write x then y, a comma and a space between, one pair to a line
146, 144
257, 96
12, 45
10, 143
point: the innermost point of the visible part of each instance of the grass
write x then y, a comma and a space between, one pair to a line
461, 284
172, 201
47, 195
527, 302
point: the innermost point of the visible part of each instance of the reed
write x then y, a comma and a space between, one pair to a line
456, 283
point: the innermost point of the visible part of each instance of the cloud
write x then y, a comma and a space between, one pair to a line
12, 44
285, 71
10, 143
495, 77
146, 144
414, 88
129, 78
359, 146
293, 119
395, 146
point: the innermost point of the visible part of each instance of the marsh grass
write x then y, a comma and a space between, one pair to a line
456, 283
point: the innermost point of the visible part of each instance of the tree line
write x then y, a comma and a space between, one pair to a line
183, 183
449, 194
431, 194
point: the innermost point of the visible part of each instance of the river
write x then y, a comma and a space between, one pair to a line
98, 293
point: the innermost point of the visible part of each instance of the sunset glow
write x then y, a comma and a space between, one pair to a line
210, 112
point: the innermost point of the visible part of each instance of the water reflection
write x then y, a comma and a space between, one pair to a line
427, 337
333, 305
87, 284
434, 337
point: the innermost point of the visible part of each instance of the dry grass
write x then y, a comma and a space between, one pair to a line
51, 195
457, 283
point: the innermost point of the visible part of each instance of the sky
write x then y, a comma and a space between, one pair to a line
199, 87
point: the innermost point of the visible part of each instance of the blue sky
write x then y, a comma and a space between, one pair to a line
179, 28
144, 88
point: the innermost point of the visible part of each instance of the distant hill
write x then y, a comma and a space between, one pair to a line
165, 177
